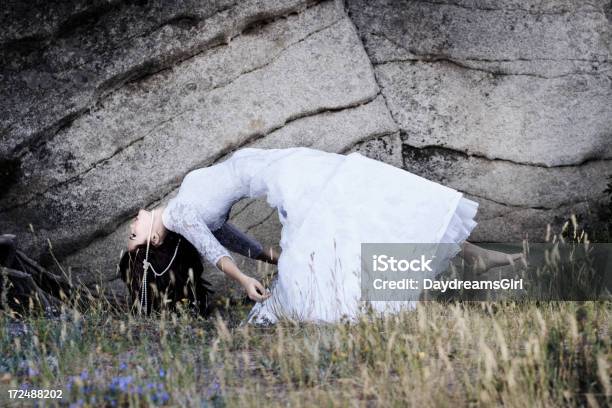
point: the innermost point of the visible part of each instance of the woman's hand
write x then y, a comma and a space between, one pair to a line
254, 289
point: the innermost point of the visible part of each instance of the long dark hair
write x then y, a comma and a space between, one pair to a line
183, 280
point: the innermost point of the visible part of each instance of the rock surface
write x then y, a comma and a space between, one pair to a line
107, 105
506, 101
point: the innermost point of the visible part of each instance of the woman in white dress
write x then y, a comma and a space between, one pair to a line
328, 204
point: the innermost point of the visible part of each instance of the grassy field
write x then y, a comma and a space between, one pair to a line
478, 354
527, 354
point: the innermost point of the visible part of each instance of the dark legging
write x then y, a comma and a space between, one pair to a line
237, 241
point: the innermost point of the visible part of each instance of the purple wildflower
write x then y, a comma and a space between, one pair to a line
120, 382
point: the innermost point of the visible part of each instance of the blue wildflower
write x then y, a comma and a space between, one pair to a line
162, 373
120, 382
123, 385
165, 396
160, 397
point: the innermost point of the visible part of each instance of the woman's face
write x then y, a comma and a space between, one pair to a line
139, 229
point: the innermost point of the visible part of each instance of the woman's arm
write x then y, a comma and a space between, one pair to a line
253, 288
184, 219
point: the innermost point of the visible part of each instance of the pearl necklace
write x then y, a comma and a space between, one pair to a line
146, 265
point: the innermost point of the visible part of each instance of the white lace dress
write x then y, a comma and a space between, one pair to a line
328, 204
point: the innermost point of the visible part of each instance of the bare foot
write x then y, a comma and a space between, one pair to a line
493, 259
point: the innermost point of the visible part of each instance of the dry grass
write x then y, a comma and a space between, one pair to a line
485, 354
544, 354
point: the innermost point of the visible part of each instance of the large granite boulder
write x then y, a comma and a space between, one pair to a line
108, 104
284, 74
508, 101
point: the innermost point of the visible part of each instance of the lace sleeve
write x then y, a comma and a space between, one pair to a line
184, 219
